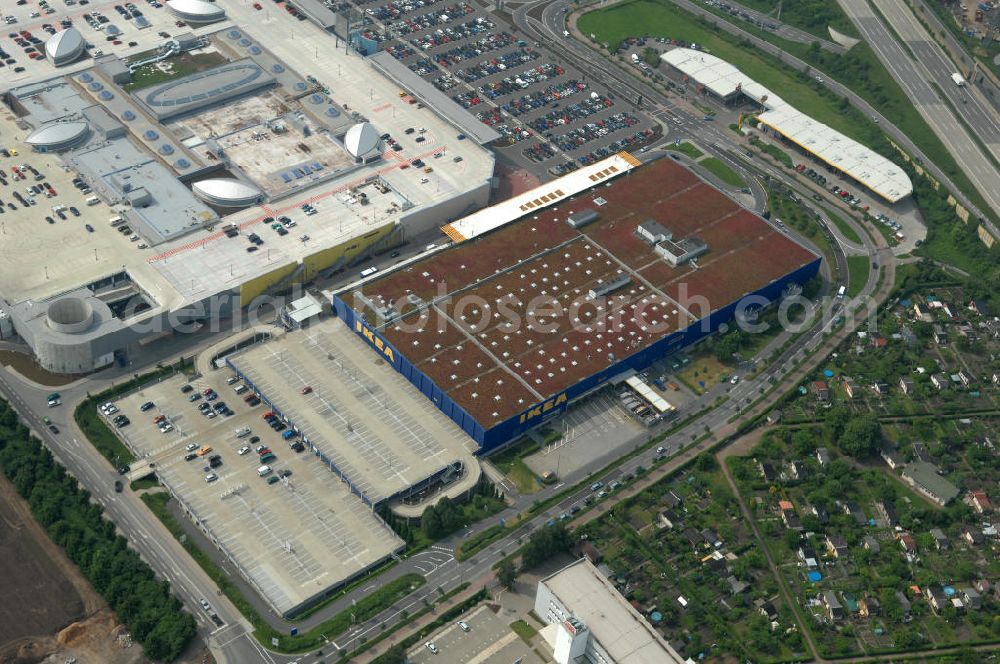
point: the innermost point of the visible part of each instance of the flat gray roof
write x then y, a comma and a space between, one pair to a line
162, 207
441, 103
50, 100
361, 414
209, 87
317, 12
622, 632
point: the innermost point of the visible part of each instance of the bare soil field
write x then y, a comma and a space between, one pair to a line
49, 612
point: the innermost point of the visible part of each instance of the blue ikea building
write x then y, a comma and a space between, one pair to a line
779, 262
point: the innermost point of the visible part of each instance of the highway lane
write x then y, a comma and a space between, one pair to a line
968, 102
924, 98
554, 20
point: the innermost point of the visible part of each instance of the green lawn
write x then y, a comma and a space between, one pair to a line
524, 630
99, 435
859, 268
722, 171
777, 153
845, 229
180, 65
686, 148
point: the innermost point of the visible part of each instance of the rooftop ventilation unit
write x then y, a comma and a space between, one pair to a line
582, 218
609, 286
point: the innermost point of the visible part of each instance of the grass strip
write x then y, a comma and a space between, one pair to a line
845, 229
686, 148
722, 171
858, 268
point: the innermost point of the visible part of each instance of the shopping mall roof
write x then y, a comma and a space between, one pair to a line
546, 195
866, 166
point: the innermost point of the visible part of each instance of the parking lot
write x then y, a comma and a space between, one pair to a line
549, 117
489, 640
122, 27
327, 383
290, 525
48, 226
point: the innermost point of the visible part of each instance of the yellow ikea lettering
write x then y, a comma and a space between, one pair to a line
543, 407
373, 340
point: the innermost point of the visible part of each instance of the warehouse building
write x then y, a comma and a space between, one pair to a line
726, 83
535, 308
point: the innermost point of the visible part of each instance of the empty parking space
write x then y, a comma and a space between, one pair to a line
488, 639
288, 524
377, 431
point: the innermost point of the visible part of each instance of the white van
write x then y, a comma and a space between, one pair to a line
263, 471
93, 200
368, 271
116, 221
241, 388
242, 433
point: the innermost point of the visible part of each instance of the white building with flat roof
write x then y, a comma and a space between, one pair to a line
588, 617
726, 82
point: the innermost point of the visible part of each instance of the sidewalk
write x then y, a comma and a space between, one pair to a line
414, 626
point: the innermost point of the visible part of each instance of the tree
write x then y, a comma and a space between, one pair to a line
507, 573
861, 436
430, 522
394, 655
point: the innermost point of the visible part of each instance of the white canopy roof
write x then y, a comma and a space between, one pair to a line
197, 10
64, 45
361, 139
845, 154
57, 133
226, 191
543, 196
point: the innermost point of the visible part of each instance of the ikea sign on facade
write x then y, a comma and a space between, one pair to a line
376, 341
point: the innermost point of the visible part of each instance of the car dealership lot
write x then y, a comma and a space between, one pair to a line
294, 537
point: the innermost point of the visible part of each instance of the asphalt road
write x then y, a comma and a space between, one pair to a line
925, 99
938, 67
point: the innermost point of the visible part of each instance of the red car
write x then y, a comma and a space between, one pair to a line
207, 391
257, 6
307, 389
267, 415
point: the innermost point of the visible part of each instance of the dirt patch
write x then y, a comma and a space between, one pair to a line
26, 365
49, 612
